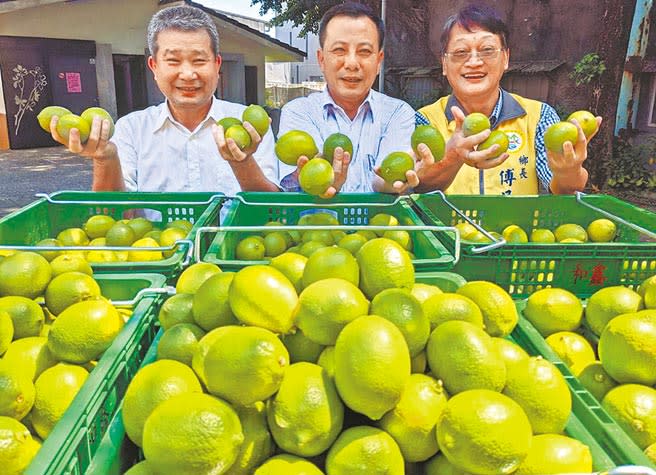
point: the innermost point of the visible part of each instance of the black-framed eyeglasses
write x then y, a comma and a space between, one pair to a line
485, 54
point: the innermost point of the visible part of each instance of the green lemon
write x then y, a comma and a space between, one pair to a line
47, 113
401, 308
331, 261
228, 122
395, 166
316, 176
180, 342
475, 123
250, 249
596, 379
586, 120
336, 140
497, 137
431, 137
301, 348
240, 135
294, 144
98, 225
176, 309
72, 121
210, 306
91, 112
257, 117
559, 133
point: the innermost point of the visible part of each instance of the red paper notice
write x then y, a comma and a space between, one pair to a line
73, 83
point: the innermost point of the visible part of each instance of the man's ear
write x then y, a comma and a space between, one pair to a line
320, 58
152, 64
219, 61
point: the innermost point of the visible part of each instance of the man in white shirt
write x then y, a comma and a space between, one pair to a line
351, 40
177, 146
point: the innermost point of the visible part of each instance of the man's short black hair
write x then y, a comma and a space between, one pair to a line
353, 10
472, 16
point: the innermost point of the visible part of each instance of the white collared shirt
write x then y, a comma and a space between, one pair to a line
382, 125
159, 154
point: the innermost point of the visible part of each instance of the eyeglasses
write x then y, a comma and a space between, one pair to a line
486, 54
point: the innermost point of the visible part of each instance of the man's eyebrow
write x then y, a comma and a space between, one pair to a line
196, 52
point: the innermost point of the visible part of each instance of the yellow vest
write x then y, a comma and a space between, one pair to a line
517, 175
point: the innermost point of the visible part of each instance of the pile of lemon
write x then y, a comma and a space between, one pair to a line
47, 351
102, 230
598, 230
342, 364
67, 121
619, 367
270, 244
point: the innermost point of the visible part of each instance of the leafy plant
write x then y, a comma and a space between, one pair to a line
632, 166
589, 68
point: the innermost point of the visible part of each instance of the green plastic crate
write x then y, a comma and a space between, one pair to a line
49, 215
73, 442
524, 268
610, 436
352, 210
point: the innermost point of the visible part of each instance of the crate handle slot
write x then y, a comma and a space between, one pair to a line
180, 242
580, 200
168, 290
316, 205
496, 243
218, 229
49, 199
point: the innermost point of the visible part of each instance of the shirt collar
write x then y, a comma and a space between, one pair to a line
506, 108
165, 114
328, 103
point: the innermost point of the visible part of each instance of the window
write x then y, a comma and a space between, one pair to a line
651, 122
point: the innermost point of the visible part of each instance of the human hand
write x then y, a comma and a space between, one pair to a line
398, 187
341, 161
97, 145
229, 149
462, 149
570, 161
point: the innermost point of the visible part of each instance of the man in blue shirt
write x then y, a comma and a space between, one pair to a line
351, 39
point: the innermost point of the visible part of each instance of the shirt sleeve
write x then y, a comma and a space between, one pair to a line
124, 140
265, 157
396, 136
420, 119
548, 116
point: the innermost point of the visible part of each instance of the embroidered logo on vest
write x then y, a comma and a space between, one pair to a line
515, 141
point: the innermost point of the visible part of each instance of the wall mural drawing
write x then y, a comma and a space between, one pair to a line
39, 82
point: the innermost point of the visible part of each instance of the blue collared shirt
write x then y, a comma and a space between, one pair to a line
548, 116
382, 125
159, 154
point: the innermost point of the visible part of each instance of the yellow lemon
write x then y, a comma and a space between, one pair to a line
543, 236
602, 230
364, 450
413, 420
475, 123
17, 448
194, 276
256, 116
384, 264
258, 444
570, 231
47, 113
293, 144
586, 120
24, 274
573, 349
289, 465
179, 342
26, 315
192, 434
595, 379
609, 302
152, 385
463, 357
395, 166
316, 176
447, 306
176, 309
499, 312
372, 365
328, 262
306, 415
555, 453
69, 288
145, 256
210, 305
514, 234
559, 133
553, 310
16, 392
542, 392
483, 431
633, 406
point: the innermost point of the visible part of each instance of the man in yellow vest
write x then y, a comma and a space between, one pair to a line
475, 56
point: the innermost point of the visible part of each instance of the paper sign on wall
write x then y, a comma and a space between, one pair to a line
73, 83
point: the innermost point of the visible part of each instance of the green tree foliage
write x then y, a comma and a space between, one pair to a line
307, 13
